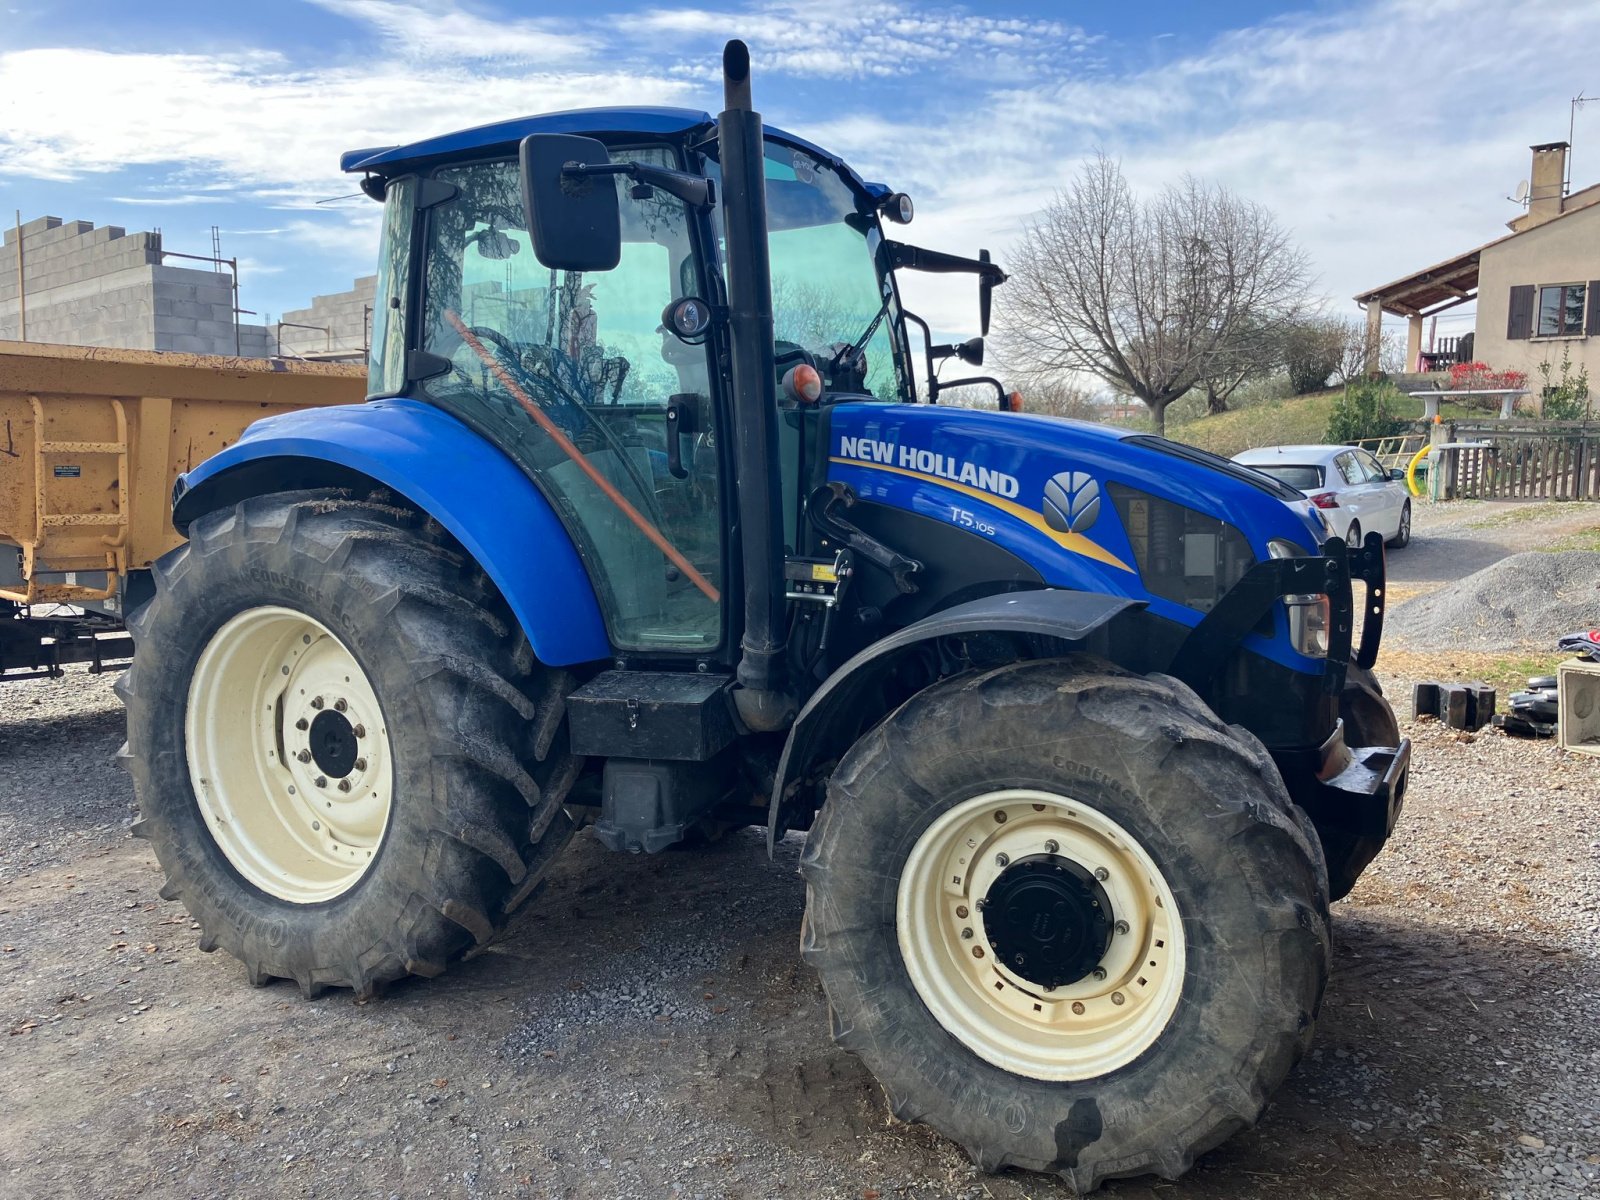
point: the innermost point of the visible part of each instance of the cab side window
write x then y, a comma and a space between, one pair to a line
588, 350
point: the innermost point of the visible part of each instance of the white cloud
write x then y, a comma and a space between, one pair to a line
438, 28
1386, 134
180, 198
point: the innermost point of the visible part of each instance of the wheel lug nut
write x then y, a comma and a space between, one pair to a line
361, 731
344, 785
322, 781
304, 756
1052, 847
361, 764
966, 934
302, 724
339, 705
316, 702
1118, 998
981, 904
1002, 859
1099, 972
1102, 874
1122, 927
961, 910
1000, 817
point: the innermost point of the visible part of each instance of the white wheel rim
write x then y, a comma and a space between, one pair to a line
1077, 1030
288, 754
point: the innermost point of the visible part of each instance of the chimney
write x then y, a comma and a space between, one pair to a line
1547, 183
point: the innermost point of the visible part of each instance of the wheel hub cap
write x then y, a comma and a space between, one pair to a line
333, 743
1048, 919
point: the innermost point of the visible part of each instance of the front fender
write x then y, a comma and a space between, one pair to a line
833, 709
446, 470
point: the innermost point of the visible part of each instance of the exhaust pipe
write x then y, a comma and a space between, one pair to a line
761, 697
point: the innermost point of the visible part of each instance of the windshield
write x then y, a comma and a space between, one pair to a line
826, 288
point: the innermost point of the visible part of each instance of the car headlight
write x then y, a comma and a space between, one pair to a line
1310, 616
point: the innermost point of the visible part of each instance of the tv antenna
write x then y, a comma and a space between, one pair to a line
1578, 102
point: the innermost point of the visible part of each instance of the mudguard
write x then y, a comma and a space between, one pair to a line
1047, 612
448, 471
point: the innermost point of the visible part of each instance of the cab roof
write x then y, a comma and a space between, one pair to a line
604, 123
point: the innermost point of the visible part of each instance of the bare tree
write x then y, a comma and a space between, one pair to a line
1148, 296
1251, 354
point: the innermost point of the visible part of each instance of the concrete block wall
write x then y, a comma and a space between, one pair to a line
86, 285
102, 286
345, 315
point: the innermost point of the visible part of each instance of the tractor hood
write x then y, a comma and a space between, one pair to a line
1061, 494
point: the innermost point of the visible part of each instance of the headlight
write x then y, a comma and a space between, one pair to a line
1309, 616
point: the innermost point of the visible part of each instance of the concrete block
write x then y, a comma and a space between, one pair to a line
37, 226
173, 326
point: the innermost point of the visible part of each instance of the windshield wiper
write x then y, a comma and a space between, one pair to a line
852, 353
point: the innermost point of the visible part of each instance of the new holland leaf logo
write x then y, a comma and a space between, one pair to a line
1071, 502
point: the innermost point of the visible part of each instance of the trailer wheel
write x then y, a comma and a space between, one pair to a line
1369, 720
347, 761
1068, 918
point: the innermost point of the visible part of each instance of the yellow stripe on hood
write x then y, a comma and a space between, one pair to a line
1074, 542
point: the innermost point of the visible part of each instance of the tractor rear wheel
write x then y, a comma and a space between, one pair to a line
346, 758
1068, 918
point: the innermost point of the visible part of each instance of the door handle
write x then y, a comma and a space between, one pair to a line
681, 419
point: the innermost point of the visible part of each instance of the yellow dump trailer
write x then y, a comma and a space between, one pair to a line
91, 441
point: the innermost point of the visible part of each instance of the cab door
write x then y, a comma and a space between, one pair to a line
640, 493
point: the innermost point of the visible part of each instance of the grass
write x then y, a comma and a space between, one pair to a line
1582, 539
1299, 420
1505, 672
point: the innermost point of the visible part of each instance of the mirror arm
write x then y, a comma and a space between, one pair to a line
916, 258
927, 342
973, 380
693, 190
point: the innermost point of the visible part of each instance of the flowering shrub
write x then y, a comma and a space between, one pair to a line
1479, 376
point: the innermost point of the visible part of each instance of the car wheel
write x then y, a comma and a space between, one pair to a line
1402, 535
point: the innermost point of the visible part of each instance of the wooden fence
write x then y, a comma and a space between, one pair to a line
1521, 460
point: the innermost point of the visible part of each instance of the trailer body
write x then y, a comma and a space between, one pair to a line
91, 442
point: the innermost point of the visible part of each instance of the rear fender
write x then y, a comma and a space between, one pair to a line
832, 717
444, 469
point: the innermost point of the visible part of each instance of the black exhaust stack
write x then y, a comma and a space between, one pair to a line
762, 700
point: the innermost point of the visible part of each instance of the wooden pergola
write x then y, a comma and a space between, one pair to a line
1425, 293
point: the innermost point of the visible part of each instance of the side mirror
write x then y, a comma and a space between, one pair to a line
1397, 473
573, 219
985, 295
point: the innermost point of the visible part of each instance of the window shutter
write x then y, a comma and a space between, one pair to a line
1519, 321
1593, 327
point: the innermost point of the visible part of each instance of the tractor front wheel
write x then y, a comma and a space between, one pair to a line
1068, 918
348, 763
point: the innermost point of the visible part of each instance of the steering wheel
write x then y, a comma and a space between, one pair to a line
494, 336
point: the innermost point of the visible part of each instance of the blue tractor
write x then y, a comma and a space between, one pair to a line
646, 526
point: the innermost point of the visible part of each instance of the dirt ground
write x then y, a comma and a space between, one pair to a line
646, 1027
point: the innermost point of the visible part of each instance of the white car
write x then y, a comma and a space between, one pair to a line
1352, 490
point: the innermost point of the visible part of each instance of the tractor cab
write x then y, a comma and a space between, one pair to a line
621, 353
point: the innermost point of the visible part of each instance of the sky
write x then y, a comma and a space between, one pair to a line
1387, 135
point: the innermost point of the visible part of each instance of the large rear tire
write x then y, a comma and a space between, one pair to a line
996, 810
346, 758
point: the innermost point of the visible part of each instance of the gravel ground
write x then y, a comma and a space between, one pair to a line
646, 1029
